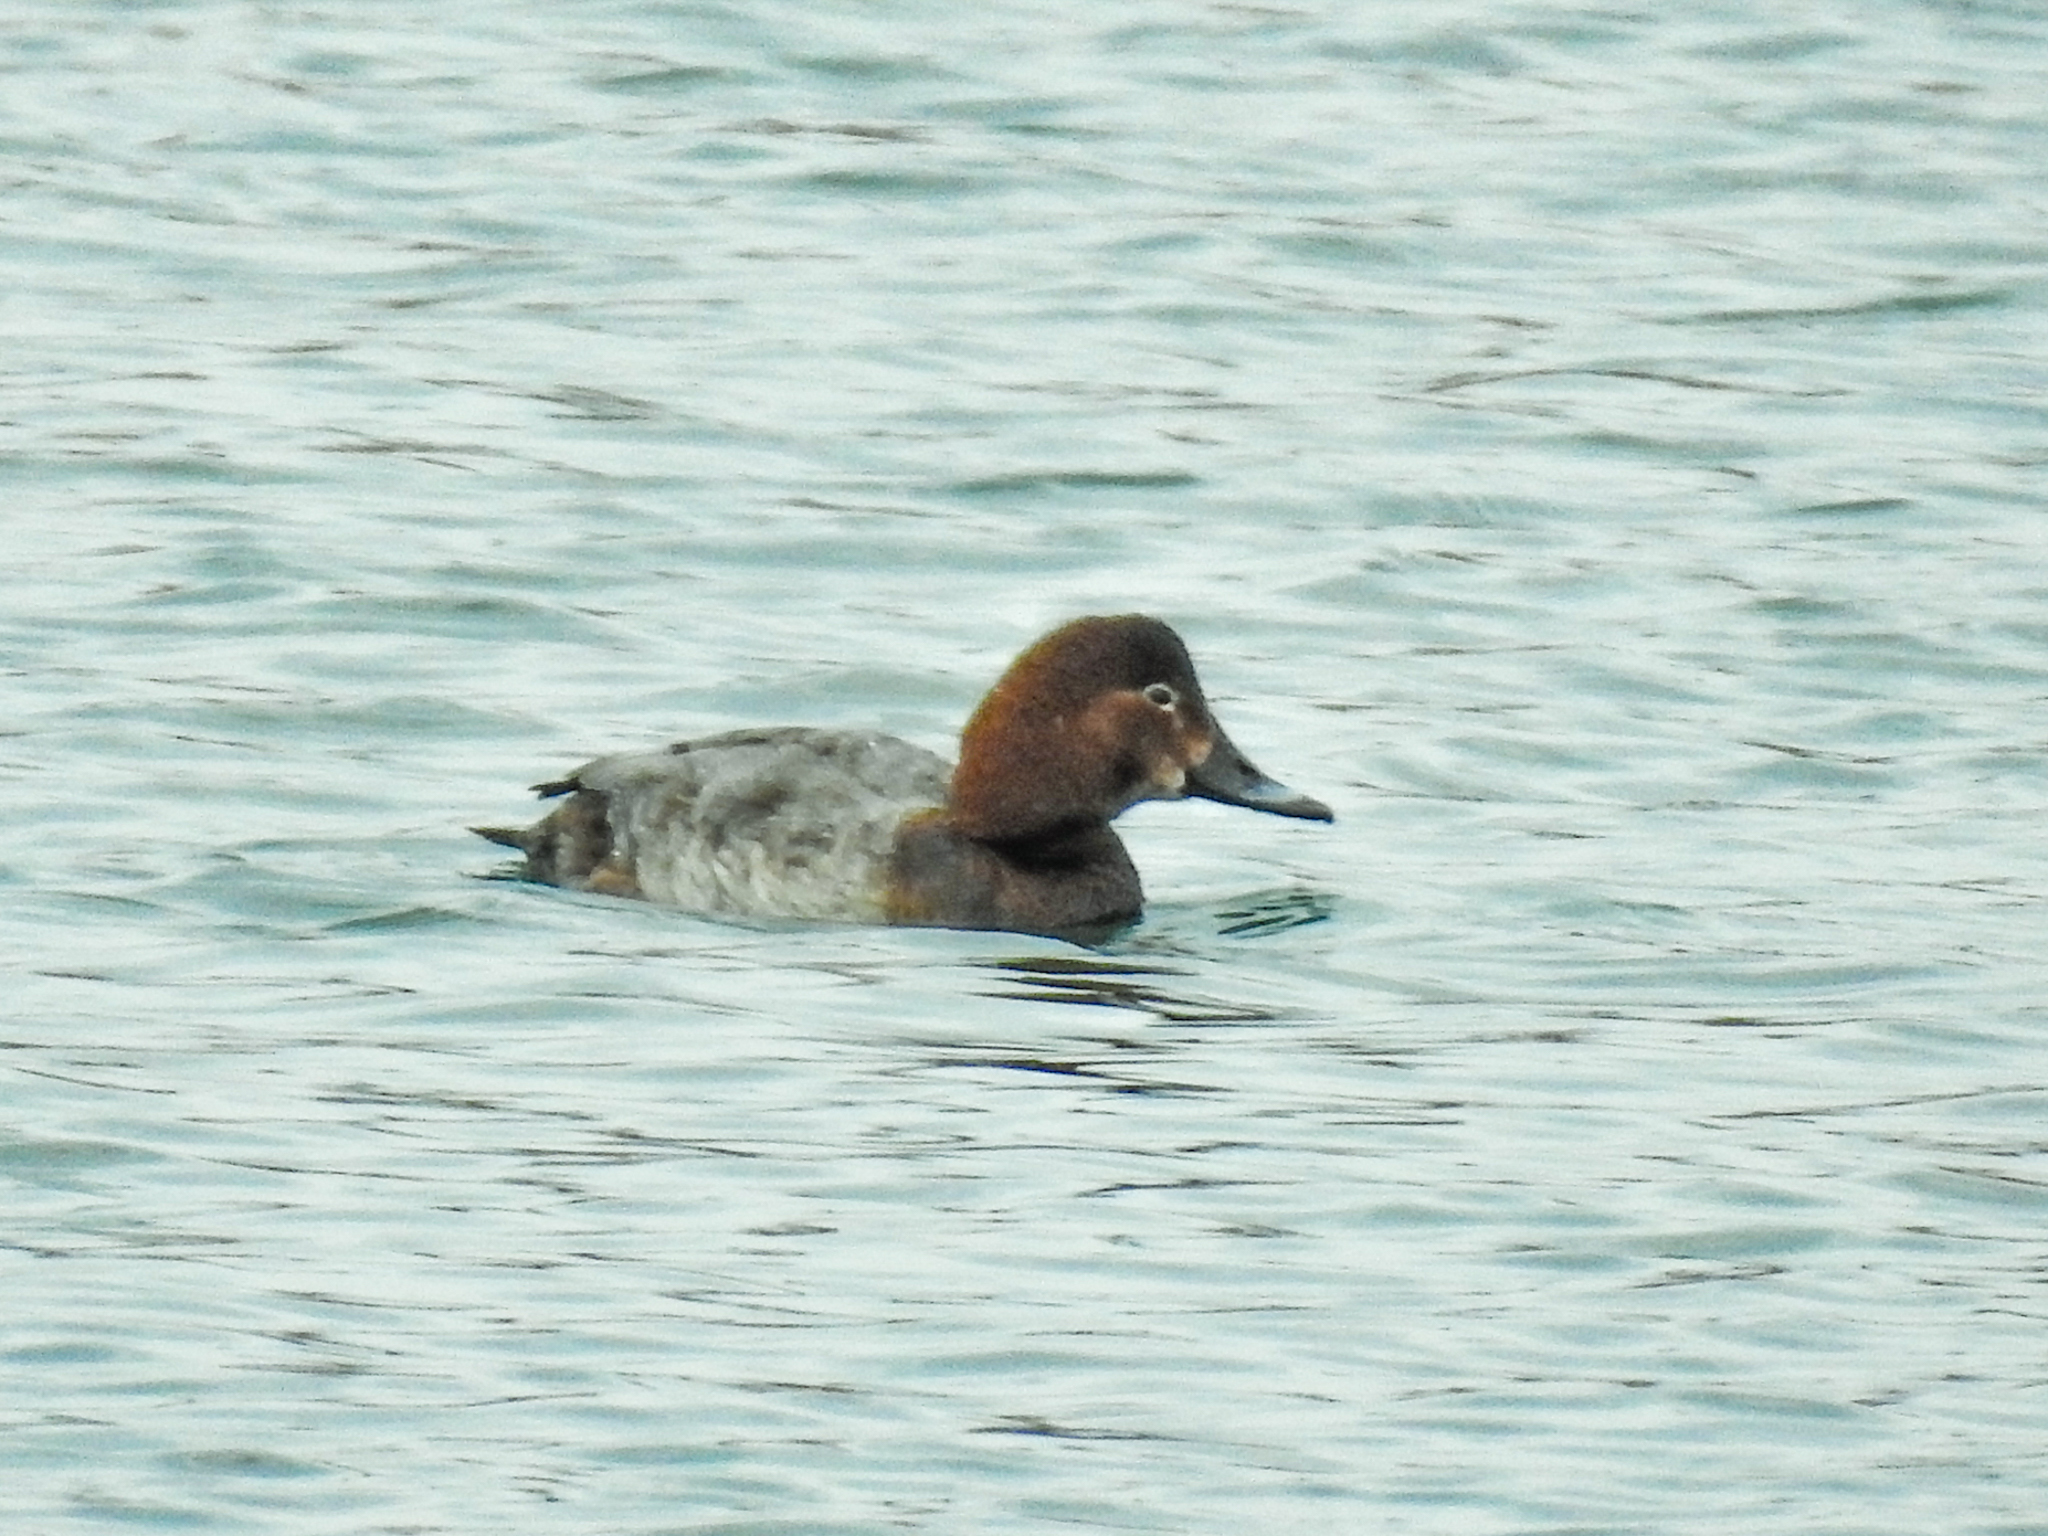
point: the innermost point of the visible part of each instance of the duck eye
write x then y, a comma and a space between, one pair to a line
1162, 695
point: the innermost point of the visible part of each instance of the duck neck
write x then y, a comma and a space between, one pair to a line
1059, 845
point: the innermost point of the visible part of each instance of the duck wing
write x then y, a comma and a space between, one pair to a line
783, 822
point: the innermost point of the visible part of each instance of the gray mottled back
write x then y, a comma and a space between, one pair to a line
788, 822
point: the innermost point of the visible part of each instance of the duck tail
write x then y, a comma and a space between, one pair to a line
566, 846
507, 837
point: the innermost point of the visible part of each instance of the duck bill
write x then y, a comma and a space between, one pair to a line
1226, 775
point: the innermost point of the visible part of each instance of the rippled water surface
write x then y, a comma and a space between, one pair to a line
1600, 451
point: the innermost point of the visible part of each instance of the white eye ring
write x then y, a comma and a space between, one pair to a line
1161, 695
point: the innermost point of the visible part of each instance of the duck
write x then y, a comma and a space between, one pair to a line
856, 826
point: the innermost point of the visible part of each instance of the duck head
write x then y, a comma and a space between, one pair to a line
1096, 716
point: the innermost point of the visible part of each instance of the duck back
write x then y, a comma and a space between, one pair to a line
787, 822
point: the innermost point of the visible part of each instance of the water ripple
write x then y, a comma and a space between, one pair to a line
1597, 451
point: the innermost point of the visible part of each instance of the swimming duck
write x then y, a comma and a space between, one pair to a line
857, 826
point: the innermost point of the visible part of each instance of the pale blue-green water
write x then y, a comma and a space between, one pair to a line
1599, 451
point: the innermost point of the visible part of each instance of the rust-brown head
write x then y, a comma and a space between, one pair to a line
1096, 716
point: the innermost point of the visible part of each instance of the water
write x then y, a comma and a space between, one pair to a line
1599, 452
